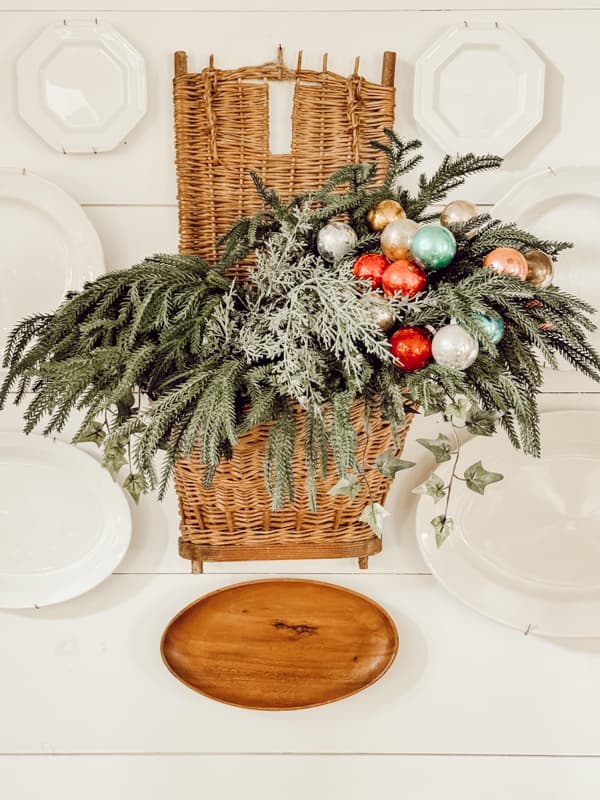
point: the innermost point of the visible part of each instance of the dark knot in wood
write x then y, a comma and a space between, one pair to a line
295, 628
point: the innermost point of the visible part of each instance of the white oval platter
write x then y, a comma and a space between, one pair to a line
479, 89
81, 86
563, 203
48, 247
527, 554
64, 524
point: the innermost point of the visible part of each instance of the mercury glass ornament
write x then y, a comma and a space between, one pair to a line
396, 238
507, 261
457, 213
540, 268
454, 347
383, 213
380, 310
493, 327
334, 240
433, 246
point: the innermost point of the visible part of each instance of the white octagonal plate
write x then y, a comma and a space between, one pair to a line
48, 247
479, 89
527, 553
81, 86
64, 523
564, 204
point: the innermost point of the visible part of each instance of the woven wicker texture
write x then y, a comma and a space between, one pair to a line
221, 133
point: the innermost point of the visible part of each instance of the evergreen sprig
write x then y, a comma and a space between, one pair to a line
173, 356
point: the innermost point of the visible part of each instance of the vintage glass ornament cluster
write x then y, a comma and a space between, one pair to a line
409, 251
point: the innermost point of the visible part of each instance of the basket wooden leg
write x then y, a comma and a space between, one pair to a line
363, 562
197, 567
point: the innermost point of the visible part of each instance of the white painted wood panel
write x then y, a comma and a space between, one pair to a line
141, 172
312, 6
86, 677
298, 777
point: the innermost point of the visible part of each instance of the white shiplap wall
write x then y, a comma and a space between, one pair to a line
469, 710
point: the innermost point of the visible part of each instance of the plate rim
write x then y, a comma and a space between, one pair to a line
123, 530
430, 120
569, 379
38, 116
221, 590
487, 580
85, 256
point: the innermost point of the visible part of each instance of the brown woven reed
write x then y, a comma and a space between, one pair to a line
221, 133
237, 507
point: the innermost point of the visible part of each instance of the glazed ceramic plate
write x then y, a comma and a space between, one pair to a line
48, 247
280, 644
81, 86
479, 89
64, 524
563, 203
528, 553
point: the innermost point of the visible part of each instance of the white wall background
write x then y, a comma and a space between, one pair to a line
470, 709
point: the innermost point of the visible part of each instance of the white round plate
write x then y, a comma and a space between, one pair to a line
81, 86
527, 554
479, 89
64, 524
48, 247
563, 203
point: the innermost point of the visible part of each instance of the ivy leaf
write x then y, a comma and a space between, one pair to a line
443, 526
348, 486
457, 410
480, 422
124, 406
478, 478
94, 432
433, 487
389, 464
373, 515
114, 457
440, 447
135, 484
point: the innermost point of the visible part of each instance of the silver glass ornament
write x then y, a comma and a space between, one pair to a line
457, 213
380, 310
334, 240
454, 347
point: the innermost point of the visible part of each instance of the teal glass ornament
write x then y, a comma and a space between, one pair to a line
433, 246
493, 327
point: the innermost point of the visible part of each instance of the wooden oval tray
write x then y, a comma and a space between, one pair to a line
280, 644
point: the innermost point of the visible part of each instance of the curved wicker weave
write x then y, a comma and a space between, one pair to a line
221, 133
238, 506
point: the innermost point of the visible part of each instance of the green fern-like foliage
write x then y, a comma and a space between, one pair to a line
172, 357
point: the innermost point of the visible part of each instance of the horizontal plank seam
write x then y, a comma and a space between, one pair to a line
286, 754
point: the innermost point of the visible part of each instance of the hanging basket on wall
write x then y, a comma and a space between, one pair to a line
221, 137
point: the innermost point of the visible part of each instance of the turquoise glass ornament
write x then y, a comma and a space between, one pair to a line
493, 327
433, 246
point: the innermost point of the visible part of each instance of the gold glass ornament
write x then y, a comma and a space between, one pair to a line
381, 311
540, 269
383, 213
457, 213
396, 238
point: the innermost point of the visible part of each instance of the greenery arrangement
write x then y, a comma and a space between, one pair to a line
173, 355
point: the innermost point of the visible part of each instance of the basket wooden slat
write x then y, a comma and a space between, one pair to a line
221, 133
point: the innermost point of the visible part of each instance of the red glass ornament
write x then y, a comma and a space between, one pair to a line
507, 261
403, 277
371, 266
411, 348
